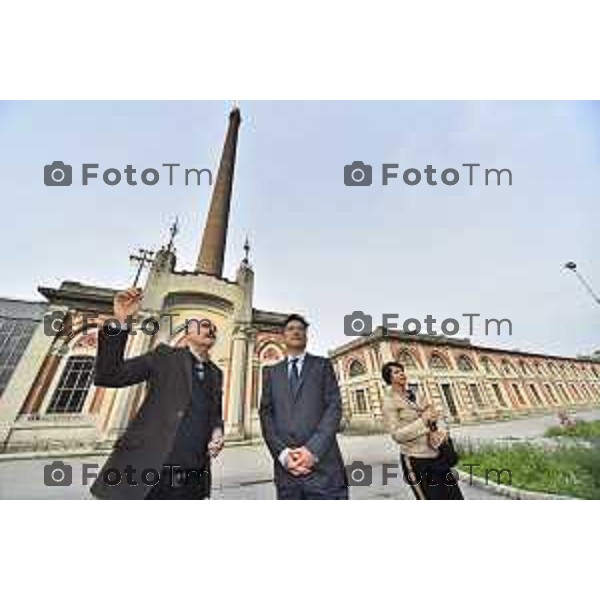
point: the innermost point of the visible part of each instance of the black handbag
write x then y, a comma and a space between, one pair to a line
448, 456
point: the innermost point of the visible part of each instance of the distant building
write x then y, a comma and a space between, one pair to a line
467, 382
18, 321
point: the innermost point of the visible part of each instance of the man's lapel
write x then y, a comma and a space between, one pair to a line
281, 371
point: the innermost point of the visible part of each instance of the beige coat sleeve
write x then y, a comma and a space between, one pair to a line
401, 423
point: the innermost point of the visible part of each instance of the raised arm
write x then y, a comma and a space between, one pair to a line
112, 369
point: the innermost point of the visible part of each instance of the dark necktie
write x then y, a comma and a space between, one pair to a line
294, 375
199, 370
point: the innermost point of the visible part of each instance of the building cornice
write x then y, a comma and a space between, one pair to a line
440, 340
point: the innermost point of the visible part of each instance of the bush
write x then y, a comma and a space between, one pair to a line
588, 430
566, 471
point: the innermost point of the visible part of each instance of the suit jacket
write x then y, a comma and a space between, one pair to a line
309, 418
149, 437
403, 422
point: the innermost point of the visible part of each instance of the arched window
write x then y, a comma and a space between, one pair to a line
537, 399
518, 394
507, 367
356, 368
563, 393
524, 368
437, 363
488, 365
407, 359
575, 392
476, 395
538, 367
74, 384
361, 401
269, 353
499, 396
464, 363
550, 393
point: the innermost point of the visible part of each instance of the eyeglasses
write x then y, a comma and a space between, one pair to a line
210, 325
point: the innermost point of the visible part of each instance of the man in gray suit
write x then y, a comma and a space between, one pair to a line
300, 412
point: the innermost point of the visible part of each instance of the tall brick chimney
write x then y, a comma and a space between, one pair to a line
212, 250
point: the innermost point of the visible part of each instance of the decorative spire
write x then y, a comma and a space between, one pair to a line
173, 231
214, 240
246, 260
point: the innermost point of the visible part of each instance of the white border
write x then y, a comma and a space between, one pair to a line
268, 49
290, 550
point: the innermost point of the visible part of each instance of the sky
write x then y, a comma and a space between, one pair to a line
320, 247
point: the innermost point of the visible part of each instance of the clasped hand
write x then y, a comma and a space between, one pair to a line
300, 461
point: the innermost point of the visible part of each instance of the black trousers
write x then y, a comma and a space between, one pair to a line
182, 484
303, 492
428, 481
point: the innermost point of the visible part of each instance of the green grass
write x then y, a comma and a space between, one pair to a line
587, 430
565, 471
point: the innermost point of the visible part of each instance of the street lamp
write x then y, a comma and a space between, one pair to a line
571, 266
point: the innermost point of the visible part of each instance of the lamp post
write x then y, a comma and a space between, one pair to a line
571, 266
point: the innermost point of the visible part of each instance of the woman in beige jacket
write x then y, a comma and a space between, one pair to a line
413, 424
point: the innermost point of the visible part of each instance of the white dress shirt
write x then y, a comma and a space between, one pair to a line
299, 364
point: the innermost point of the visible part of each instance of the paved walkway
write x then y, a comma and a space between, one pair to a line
244, 472
524, 429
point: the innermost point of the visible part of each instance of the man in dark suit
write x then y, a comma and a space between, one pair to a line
165, 450
300, 413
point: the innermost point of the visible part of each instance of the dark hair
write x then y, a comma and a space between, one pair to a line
295, 317
386, 371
